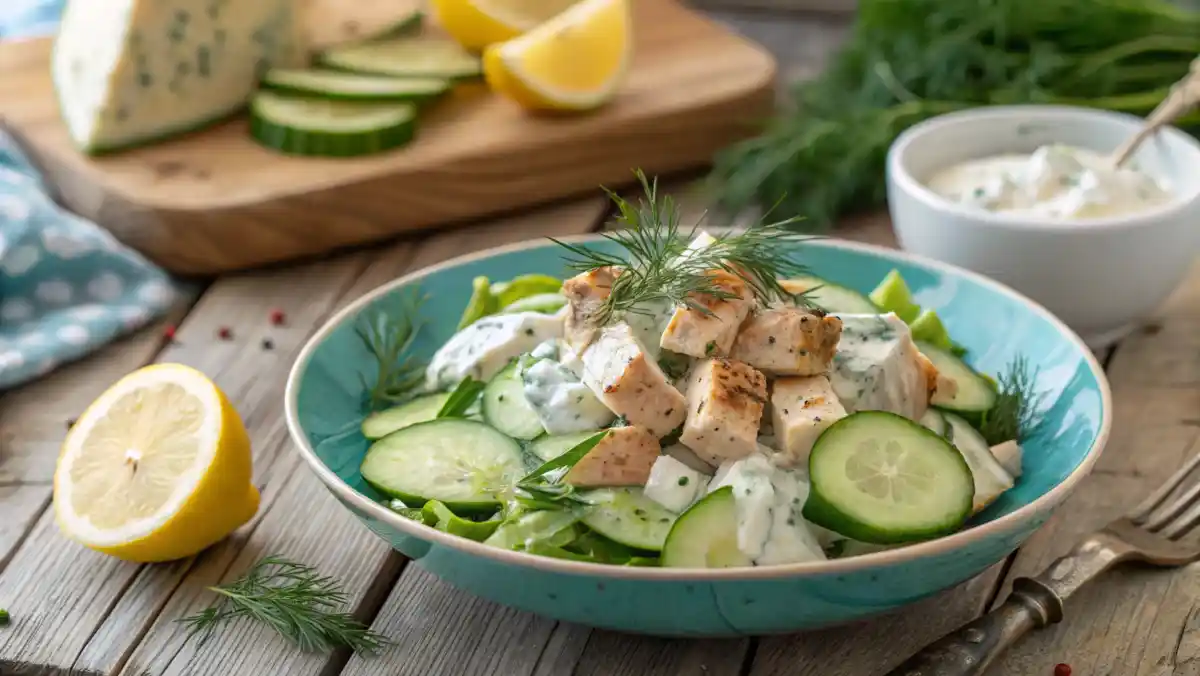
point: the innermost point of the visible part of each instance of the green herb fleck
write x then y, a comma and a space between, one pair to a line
5, 618
683, 481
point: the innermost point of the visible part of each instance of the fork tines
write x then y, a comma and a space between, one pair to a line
1158, 515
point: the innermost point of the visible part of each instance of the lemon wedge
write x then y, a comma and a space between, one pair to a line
475, 24
158, 468
575, 61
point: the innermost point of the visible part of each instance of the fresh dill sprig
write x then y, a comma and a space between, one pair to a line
658, 266
293, 599
389, 338
1017, 413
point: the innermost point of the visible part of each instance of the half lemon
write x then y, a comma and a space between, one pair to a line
475, 24
575, 61
158, 468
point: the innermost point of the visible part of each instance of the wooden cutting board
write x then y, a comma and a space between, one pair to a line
214, 201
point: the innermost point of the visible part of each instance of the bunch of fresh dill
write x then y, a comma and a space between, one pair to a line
908, 60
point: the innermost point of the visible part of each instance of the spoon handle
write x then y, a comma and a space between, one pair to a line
1183, 95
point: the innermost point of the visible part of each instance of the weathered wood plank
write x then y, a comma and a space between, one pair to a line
253, 378
357, 556
801, 44
71, 589
1134, 621
874, 646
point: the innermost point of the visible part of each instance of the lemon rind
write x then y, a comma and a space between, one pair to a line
510, 53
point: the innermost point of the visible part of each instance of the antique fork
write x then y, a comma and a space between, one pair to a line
1150, 533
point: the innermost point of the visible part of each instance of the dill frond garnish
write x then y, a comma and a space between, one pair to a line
658, 267
1017, 414
294, 600
389, 337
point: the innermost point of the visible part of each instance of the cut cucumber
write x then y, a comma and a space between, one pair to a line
549, 447
404, 26
626, 516
881, 478
974, 393
459, 462
331, 84
415, 56
546, 303
893, 295
505, 407
834, 297
990, 477
300, 126
934, 422
382, 423
705, 536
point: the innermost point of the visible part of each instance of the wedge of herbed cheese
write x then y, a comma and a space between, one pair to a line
128, 72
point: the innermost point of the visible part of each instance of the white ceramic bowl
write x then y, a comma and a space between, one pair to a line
1100, 276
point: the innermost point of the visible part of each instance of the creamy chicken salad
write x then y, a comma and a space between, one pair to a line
679, 408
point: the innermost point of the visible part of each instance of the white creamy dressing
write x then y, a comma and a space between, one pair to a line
769, 502
1058, 181
483, 348
557, 395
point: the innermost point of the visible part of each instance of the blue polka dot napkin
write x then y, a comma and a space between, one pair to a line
29, 18
67, 286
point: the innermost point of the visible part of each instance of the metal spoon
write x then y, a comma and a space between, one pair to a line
1183, 95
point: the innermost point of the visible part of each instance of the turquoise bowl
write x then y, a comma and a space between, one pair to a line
323, 403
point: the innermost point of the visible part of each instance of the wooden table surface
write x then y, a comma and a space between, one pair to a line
75, 611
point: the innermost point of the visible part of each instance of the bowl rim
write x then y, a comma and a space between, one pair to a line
1045, 502
898, 173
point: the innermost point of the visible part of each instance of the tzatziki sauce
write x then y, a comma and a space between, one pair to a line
1057, 181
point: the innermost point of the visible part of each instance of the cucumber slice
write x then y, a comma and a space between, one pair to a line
974, 393
505, 407
382, 423
410, 56
458, 462
881, 478
331, 84
934, 422
299, 126
546, 303
834, 297
626, 516
990, 477
705, 536
549, 447
893, 295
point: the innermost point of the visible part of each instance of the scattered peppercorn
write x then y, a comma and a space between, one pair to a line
277, 317
5, 618
225, 333
70, 423
1062, 670
268, 344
